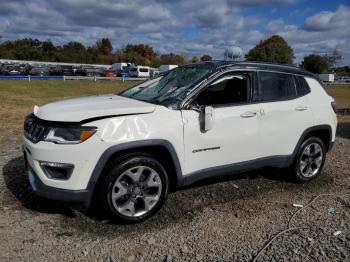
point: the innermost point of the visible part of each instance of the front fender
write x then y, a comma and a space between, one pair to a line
106, 156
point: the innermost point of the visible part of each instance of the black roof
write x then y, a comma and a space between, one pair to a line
217, 64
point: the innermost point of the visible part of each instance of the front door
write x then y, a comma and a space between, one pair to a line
234, 136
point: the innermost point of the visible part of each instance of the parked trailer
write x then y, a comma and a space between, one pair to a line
327, 78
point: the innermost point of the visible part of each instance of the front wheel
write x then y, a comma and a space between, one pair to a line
135, 188
309, 160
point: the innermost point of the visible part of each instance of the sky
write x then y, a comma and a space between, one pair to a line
182, 26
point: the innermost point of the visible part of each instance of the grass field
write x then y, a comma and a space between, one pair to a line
341, 94
17, 97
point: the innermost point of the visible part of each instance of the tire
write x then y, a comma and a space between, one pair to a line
135, 188
309, 161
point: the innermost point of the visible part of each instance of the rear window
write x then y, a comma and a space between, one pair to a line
276, 86
143, 70
302, 86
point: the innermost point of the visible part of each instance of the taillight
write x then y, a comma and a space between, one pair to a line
334, 106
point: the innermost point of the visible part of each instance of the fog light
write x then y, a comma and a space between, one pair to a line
56, 170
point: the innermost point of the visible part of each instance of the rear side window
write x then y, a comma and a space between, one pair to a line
276, 86
302, 86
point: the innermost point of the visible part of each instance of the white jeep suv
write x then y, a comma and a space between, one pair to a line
126, 152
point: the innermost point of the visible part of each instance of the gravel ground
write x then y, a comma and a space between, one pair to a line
227, 221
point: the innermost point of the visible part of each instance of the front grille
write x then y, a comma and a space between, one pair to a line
33, 129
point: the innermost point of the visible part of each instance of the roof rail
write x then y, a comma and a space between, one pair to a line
268, 64
225, 63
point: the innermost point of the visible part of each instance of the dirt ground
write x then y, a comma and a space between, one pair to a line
227, 221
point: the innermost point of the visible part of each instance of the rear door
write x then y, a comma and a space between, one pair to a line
285, 112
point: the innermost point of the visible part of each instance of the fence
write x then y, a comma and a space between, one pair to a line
29, 77
92, 78
343, 111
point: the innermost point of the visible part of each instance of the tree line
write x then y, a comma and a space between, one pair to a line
100, 53
274, 49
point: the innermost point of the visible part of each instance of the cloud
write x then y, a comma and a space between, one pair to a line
260, 2
279, 26
187, 27
322, 33
326, 20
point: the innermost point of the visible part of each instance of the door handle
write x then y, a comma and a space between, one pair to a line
248, 114
301, 108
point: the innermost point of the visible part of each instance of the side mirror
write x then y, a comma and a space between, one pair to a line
207, 118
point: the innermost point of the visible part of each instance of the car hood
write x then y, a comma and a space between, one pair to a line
79, 109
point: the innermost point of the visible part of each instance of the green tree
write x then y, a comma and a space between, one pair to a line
73, 52
76, 52
315, 63
22, 49
139, 54
342, 71
48, 50
92, 56
104, 47
333, 58
206, 58
195, 59
172, 59
273, 50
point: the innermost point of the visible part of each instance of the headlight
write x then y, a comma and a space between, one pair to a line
69, 135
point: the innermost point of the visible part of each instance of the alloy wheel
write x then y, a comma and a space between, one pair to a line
136, 191
311, 160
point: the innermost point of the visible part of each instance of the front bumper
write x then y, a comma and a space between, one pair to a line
73, 190
83, 157
79, 197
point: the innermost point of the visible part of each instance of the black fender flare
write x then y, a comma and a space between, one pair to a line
101, 163
306, 133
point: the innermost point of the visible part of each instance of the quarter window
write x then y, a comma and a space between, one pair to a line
302, 86
276, 86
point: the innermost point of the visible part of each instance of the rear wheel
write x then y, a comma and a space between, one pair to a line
135, 188
309, 160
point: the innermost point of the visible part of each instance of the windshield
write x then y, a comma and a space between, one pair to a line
168, 86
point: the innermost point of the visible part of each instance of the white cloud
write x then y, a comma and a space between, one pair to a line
261, 2
326, 20
323, 33
188, 27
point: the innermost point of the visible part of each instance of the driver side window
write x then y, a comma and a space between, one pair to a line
228, 89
